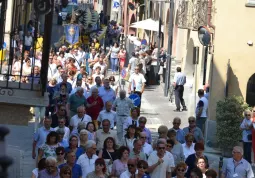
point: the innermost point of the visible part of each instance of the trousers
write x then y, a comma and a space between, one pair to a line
247, 151
178, 92
119, 125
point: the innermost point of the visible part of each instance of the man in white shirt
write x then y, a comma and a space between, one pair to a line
109, 114
132, 171
88, 159
160, 164
52, 69
133, 62
101, 64
201, 110
179, 81
146, 148
61, 124
137, 83
81, 116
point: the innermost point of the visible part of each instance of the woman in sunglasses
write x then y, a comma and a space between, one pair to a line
100, 169
142, 167
180, 170
65, 172
60, 152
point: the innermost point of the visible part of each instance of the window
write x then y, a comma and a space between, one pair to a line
250, 3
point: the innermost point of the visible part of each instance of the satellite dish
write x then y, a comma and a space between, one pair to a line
131, 6
204, 35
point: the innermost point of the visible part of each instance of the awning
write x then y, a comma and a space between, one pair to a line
147, 24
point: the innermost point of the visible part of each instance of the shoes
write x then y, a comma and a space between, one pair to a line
184, 109
177, 110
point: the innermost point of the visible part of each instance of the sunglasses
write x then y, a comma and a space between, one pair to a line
89, 79
60, 153
142, 167
161, 148
131, 165
247, 115
143, 137
191, 121
181, 170
67, 173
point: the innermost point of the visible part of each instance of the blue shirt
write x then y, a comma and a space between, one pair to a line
180, 135
76, 170
64, 143
241, 169
106, 94
78, 153
41, 135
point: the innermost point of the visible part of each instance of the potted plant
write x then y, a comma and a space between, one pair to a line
229, 114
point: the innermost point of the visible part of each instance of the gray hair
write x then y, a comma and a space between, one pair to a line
177, 119
143, 133
89, 144
239, 149
94, 89
61, 131
51, 159
161, 141
80, 107
81, 126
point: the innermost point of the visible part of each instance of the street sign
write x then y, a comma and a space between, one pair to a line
144, 42
135, 99
123, 73
116, 5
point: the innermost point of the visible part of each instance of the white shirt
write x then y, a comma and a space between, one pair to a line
133, 61
67, 132
111, 116
87, 165
128, 122
147, 149
85, 93
188, 150
28, 40
127, 174
137, 81
103, 67
52, 69
35, 172
128, 142
97, 75
75, 120
161, 170
205, 106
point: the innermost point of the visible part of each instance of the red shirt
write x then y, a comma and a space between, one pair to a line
94, 111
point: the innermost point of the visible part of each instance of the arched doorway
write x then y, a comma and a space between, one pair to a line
250, 93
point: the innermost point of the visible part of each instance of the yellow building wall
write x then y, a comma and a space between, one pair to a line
234, 28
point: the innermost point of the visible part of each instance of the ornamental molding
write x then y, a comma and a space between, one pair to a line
6, 91
192, 14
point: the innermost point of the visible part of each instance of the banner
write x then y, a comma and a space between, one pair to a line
72, 33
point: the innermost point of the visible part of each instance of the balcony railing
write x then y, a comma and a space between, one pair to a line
192, 14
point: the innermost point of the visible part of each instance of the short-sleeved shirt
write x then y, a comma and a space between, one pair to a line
41, 135
107, 94
76, 101
137, 81
133, 61
78, 153
163, 168
141, 155
241, 170
123, 106
197, 133
49, 150
44, 173
118, 167
87, 164
75, 120
101, 136
94, 111
179, 78
111, 116
76, 170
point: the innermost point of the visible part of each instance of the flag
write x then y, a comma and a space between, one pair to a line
72, 33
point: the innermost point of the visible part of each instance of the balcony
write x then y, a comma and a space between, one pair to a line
192, 14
